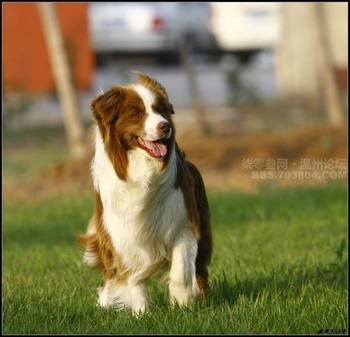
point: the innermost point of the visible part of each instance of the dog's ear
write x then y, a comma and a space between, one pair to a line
106, 108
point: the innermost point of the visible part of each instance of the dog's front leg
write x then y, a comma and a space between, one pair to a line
139, 298
182, 284
127, 294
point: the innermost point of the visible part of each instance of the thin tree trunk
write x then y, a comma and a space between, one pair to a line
329, 87
63, 78
194, 91
297, 73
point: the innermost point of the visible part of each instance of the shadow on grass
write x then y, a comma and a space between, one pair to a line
284, 280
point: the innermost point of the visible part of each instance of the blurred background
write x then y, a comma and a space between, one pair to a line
252, 83
261, 107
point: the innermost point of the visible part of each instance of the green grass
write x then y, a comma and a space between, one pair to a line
29, 150
279, 266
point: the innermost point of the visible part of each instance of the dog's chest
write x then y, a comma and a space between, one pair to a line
143, 215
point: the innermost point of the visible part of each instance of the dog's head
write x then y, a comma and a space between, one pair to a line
135, 116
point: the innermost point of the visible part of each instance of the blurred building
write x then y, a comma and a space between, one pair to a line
26, 65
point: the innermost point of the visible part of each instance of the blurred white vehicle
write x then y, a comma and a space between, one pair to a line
141, 27
245, 28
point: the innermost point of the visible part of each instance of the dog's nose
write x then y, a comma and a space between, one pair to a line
164, 127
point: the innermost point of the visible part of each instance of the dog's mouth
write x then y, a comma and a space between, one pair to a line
156, 149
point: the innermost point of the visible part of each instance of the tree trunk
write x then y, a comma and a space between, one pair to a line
296, 54
305, 66
194, 91
329, 87
63, 78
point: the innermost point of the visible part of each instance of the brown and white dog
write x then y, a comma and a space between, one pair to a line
151, 207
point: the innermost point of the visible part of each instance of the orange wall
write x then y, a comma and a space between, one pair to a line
26, 64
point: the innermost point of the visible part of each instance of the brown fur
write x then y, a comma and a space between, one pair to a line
100, 244
120, 115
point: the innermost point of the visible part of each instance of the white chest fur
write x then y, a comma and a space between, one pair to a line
144, 214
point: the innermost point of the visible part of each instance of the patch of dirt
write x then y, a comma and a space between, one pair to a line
221, 159
225, 164
226, 152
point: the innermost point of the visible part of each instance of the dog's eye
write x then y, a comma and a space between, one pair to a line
135, 113
162, 109
171, 109
165, 109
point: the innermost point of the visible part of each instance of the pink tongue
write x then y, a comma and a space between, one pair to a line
157, 149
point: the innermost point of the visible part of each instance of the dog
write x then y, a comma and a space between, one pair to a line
151, 213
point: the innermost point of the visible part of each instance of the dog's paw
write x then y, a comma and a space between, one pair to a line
139, 311
103, 300
107, 300
181, 295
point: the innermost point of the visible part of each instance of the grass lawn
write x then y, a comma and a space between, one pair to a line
279, 266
